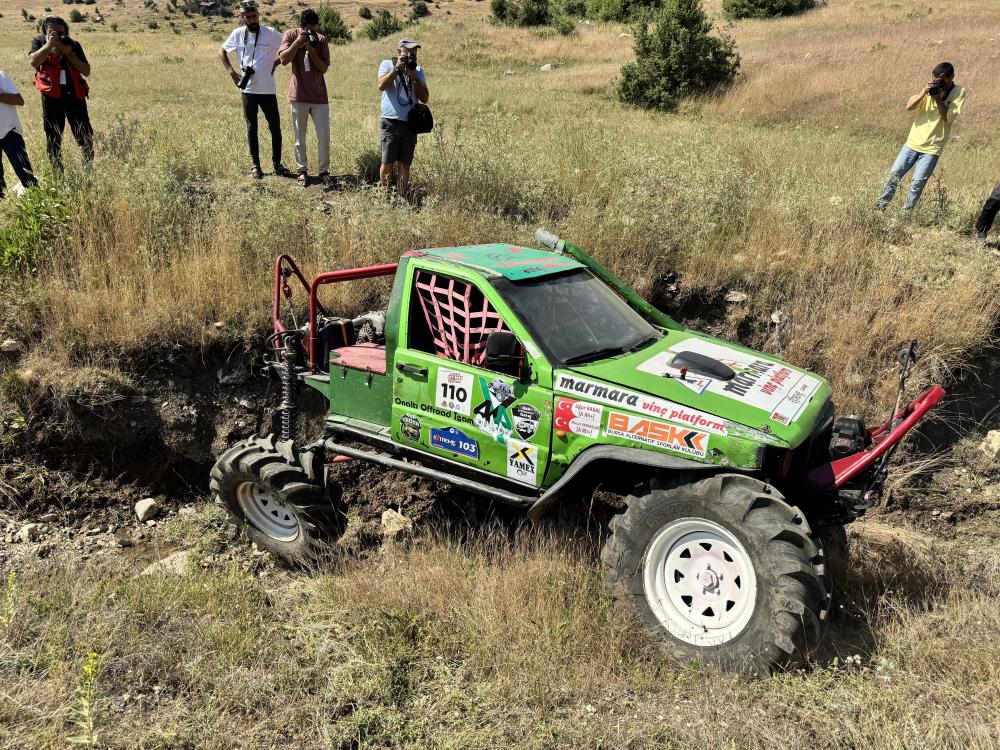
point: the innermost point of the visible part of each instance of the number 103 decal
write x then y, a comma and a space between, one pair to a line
454, 391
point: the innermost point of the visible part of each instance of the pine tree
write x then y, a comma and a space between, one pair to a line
676, 57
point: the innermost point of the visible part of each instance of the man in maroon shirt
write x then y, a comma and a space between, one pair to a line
309, 54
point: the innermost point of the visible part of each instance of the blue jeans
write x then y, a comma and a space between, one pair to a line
12, 144
922, 166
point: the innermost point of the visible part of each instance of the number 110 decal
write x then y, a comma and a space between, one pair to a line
454, 391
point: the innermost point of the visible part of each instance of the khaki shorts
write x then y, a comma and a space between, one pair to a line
398, 142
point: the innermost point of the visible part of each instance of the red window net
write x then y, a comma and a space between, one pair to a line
459, 317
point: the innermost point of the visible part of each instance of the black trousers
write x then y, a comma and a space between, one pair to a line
268, 104
56, 111
12, 144
989, 212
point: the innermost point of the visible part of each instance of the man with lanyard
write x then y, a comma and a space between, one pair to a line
256, 49
937, 105
61, 69
309, 54
402, 83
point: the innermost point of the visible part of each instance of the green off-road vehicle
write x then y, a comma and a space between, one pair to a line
532, 377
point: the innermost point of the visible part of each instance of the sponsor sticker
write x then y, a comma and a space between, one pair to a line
578, 417
526, 419
492, 415
668, 436
454, 440
651, 405
409, 427
522, 462
772, 386
454, 391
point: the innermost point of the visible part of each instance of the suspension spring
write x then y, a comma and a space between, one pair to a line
289, 387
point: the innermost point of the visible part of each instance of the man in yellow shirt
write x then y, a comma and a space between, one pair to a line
937, 106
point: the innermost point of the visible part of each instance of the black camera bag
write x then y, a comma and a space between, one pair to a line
421, 120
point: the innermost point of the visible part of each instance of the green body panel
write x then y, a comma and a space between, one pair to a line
509, 261
471, 414
531, 431
355, 393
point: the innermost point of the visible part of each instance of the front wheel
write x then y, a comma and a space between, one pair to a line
275, 496
720, 569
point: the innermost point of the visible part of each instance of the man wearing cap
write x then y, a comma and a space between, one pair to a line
256, 49
402, 83
309, 54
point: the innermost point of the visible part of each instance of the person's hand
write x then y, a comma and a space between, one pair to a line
401, 65
235, 76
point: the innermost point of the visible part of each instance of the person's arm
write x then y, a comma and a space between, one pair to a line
916, 98
37, 56
419, 85
15, 100
77, 61
288, 50
388, 75
228, 65
320, 64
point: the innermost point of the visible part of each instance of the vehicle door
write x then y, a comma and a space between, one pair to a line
447, 399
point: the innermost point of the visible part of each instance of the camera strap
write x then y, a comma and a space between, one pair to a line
246, 33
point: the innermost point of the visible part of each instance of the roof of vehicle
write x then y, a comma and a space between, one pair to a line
498, 259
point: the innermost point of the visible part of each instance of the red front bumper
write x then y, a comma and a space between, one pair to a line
836, 474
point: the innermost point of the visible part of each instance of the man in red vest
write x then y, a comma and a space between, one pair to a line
61, 68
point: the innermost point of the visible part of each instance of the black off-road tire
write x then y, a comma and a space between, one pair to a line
295, 481
792, 589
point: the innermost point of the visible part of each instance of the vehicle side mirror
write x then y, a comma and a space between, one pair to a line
502, 348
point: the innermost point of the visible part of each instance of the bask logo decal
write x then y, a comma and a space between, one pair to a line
668, 436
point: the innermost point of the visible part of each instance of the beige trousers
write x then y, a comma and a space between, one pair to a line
320, 113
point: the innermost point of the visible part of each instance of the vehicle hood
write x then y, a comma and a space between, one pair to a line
781, 403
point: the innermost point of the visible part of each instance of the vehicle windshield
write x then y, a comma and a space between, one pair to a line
576, 318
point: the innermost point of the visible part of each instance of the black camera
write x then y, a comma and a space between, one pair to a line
247, 74
312, 37
938, 87
63, 37
411, 61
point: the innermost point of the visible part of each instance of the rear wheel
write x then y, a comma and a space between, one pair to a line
276, 496
720, 569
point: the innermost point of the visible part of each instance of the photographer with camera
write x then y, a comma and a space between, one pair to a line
402, 83
61, 69
937, 105
309, 54
256, 49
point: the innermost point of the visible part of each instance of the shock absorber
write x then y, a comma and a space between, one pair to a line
289, 388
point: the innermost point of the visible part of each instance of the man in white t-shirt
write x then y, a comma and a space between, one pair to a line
11, 135
256, 49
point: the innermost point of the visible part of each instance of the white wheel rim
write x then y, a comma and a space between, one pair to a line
265, 511
699, 582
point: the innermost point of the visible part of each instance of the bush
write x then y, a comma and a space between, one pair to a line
332, 26
675, 58
765, 8
365, 12
418, 10
620, 10
564, 25
382, 25
521, 12
76, 16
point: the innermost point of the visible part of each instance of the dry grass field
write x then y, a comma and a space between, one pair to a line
506, 639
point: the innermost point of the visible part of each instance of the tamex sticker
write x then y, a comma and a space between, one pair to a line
522, 461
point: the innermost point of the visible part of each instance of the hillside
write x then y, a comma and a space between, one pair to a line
141, 291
